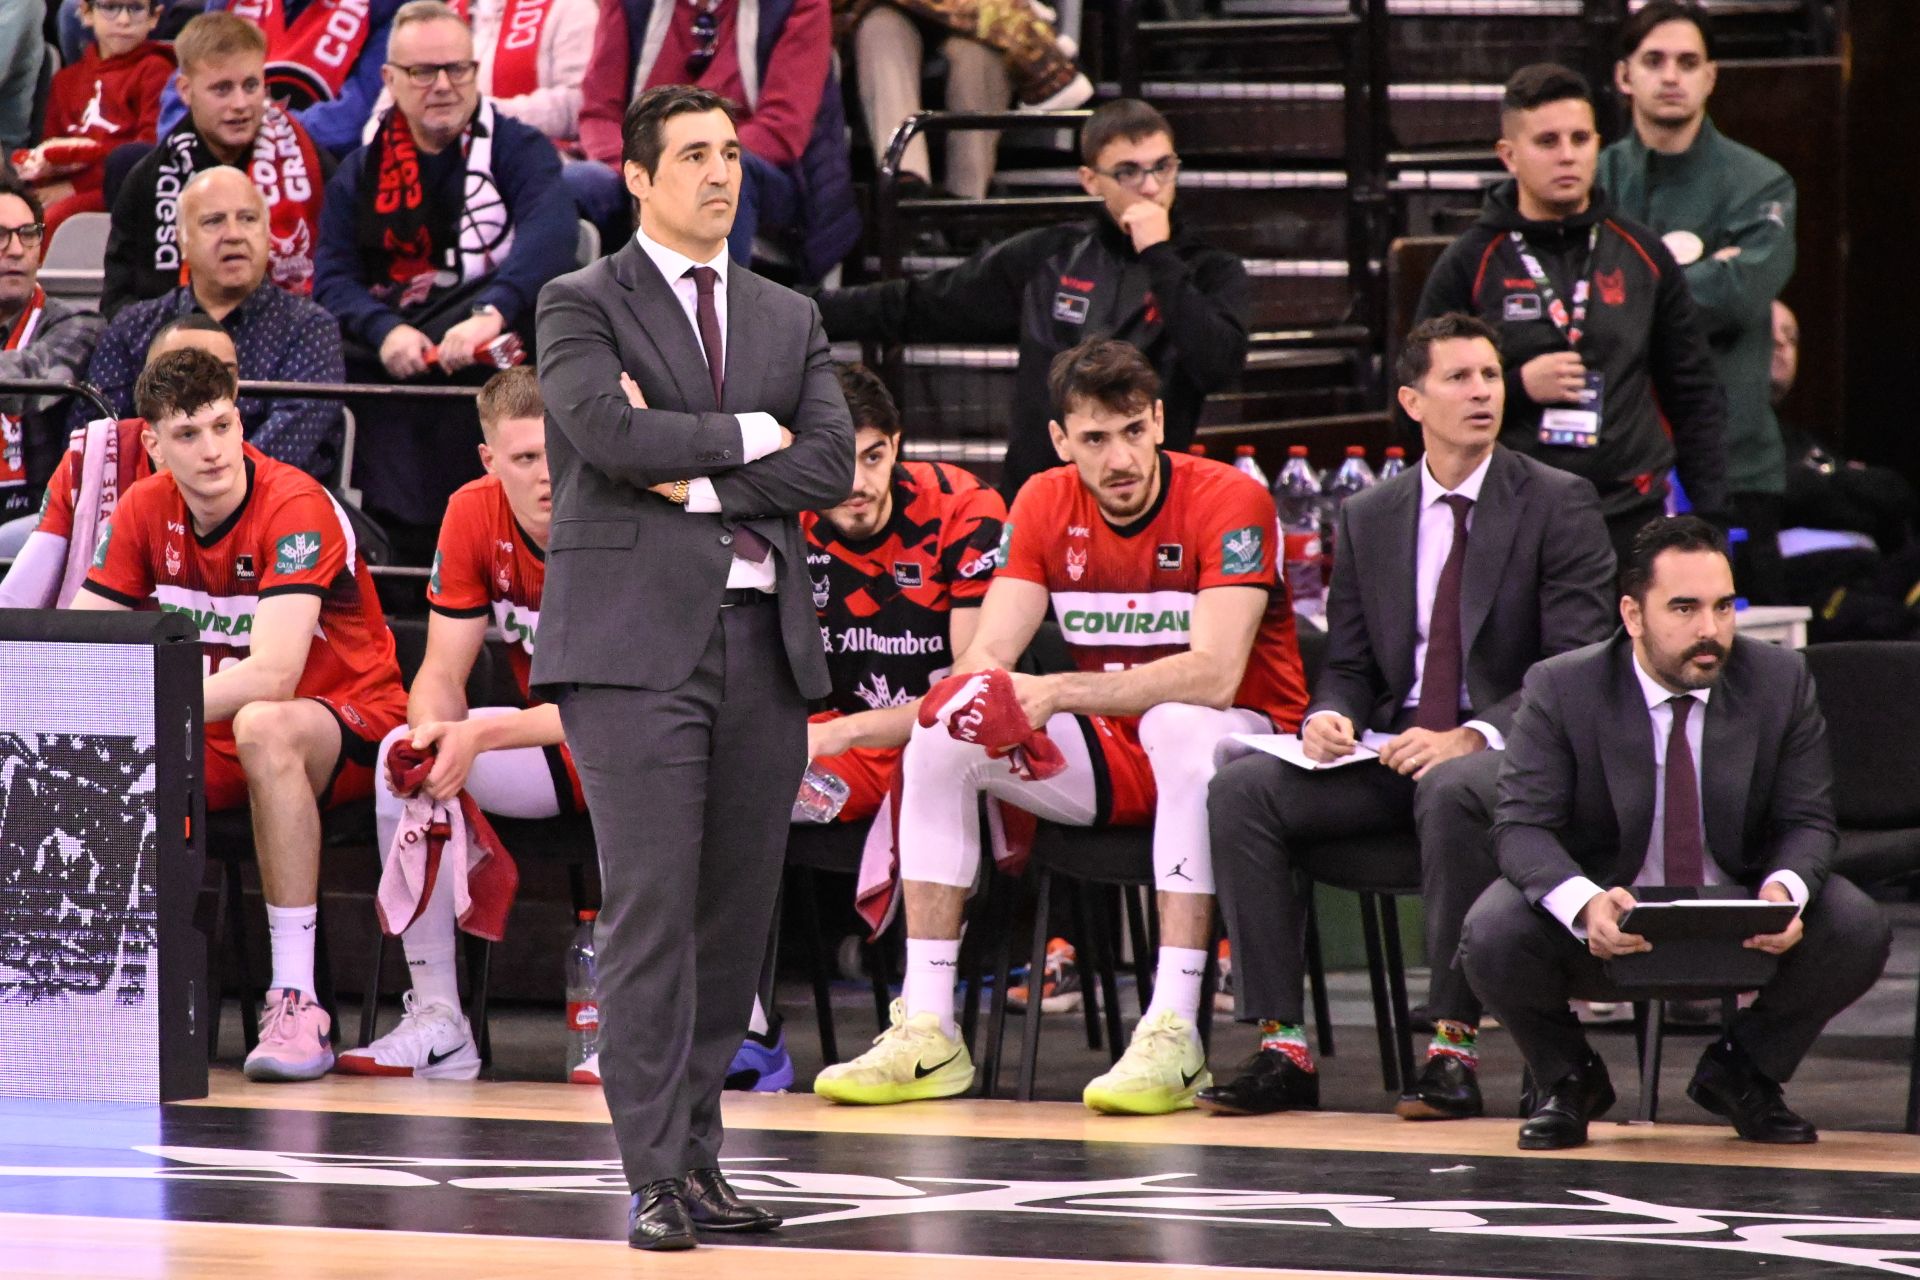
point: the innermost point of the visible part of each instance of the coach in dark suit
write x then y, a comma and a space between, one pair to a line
692, 411
1449, 582
1672, 754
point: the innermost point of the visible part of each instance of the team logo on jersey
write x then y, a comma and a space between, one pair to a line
1071, 308
46, 499
1076, 563
297, 552
100, 547
1168, 556
878, 692
1242, 550
1006, 541
1520, 307
174, 561
503, 576
822, 591
1613, 286
433, 579
906, 573
243, 566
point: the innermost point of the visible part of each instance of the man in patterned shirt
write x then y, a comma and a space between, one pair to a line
301, 680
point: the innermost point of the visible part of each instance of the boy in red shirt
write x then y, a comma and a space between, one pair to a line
110, 97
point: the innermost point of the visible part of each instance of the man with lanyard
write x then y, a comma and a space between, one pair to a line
1726, 212
1160, 567
323, 60
229, 121
1598, 334
45, 338
1132, 273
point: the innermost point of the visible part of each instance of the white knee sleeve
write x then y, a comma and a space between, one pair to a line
1179, 739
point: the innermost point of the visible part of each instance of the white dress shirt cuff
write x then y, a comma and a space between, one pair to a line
702, 498
1495, 742
1565, 903
759, 436
1790, 881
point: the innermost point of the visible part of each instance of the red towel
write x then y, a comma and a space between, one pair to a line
982, 708
485, 878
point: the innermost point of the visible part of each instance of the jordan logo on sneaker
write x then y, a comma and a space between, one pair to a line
922, 1071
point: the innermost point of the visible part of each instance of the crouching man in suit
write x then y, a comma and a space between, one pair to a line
1671, 754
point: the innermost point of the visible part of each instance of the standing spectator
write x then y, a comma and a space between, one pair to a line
1132, 273
324, 61
1726, 213
111, 96
230, 122
1598, 334
22, 50
280, 337
45, 338
435, 240
773, 59
531, 67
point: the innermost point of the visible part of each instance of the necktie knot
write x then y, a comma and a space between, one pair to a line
1681, 704
1461, 505
704, 279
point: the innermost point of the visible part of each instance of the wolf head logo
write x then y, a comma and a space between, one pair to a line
1076, 563
292, 256
822, 590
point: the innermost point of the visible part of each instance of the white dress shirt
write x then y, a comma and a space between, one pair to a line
1566, 900
759, 432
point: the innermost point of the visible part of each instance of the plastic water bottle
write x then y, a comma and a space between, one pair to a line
1197, 450
1297, 495
1396, 462
820, 797
1353, 476
583, 995
1245, 463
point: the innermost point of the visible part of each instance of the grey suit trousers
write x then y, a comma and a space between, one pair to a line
690, 790
1269, 822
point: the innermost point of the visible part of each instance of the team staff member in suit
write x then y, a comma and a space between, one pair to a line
679, 635
1586, 301
1511, 564
1671, 754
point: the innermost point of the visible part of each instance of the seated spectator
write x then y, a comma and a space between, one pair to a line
302, 683
229, 122
110, 97
1162, 569
1510, 564
281, 337
435, 241
989, 49
323, 61
773, 60
1601, 795
22, 51
104, 459
531, 70
45, 338
1132, 272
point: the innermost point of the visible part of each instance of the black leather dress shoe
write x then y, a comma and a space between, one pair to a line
713, 1206
1583, 1094
1446, 1089
657, 1217
1728, 1084
1270, 1082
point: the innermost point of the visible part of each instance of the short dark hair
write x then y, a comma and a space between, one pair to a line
192, 322
1539, 83
868, 399
643, 128
1416, 353
1127, 118
1661, 534
182, 382
1105, 372
1656, 12
12, 186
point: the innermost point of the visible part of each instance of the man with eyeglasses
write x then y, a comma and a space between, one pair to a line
1133, 273
45, 338
435, 239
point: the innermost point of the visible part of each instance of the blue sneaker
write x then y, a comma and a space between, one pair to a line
761, 1064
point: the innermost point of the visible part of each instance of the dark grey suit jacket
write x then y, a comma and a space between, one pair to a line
1538, 581
633, 581
1576, 787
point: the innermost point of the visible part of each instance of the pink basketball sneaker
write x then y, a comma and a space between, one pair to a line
294, 1044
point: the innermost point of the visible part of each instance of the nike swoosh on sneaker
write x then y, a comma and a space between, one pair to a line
1186, 1081
435, 1059
921, 1071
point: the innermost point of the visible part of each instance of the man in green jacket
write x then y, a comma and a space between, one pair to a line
1727, 214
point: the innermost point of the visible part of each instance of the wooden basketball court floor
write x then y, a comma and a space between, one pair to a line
354, 1179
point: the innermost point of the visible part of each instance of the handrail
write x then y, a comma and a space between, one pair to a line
56, 387
355, 391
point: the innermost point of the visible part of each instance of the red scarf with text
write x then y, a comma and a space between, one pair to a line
313, 53
516, 47
13, 452
286, 168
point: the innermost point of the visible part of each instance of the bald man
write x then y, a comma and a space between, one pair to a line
279, 337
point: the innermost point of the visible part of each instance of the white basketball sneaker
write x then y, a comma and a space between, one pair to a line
432, 1042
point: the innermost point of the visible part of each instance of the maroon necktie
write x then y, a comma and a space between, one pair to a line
1439, 707
1680, 823
747, 544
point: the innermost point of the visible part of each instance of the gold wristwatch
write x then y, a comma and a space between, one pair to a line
679, 495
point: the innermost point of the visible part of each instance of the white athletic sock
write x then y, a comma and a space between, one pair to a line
1176, 983
933, 966
757, 1024
429, 944
290, 930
